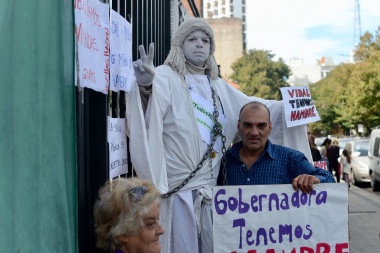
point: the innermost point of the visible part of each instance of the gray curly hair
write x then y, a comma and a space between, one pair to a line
176, 59
120, 209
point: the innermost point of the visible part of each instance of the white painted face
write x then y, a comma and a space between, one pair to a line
196, 48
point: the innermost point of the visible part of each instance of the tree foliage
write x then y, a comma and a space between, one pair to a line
258, 75
350, 94
369, 45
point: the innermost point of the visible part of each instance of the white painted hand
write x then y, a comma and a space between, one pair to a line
143, 67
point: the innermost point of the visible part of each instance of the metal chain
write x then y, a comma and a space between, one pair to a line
216, 130
224, 161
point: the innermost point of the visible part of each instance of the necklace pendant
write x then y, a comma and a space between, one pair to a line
213, 154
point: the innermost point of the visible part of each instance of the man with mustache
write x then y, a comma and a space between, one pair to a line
256, 161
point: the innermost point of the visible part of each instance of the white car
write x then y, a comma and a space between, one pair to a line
359, 160
374, 158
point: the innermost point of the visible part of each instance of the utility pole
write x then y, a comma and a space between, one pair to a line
357, 24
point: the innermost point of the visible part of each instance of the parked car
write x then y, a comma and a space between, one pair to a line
374, 159
344, 140
358, 150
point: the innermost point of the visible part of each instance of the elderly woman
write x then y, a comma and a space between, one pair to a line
126, 217
181, 119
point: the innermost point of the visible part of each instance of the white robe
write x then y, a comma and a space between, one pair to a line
166, 148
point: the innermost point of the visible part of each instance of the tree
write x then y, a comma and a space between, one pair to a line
350, 94
368, 45
330, 95
258, 75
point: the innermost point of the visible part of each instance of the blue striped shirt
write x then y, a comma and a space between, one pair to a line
276, 165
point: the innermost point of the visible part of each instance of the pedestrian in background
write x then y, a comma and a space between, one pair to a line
323, 152
345, 164
326, 143
333, 153
315, 154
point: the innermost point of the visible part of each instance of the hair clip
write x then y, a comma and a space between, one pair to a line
137, 193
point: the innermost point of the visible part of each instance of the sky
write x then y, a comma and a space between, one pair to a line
308, 29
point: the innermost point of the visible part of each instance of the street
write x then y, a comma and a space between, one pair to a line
368, 189
364, 220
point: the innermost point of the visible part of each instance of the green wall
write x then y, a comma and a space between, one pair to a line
38, 181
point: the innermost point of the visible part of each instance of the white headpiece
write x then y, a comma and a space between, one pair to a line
176, 59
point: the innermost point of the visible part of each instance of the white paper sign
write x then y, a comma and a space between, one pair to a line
92, 41
298, 110
277, 219
118, 151
122, 74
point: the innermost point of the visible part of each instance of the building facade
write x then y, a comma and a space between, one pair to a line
227, 9
304, 74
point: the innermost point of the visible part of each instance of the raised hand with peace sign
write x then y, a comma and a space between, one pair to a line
143, 67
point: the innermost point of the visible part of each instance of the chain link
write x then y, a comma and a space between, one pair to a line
224, 161
216, 131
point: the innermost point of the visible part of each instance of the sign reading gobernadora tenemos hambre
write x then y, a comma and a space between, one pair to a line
277, 219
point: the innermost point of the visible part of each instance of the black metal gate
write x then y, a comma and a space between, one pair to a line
150, 21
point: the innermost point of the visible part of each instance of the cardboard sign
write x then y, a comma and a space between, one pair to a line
277, 219
297, 105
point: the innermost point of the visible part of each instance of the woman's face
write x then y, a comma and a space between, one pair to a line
147, 240
196, 48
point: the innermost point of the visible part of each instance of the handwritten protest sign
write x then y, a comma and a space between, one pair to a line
298, 110
117, 141
277, 219
92, 44
122, 74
